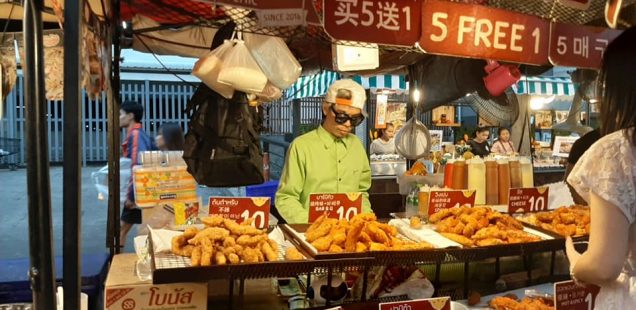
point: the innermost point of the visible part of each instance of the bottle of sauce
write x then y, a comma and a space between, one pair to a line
515, 173
503, 169
460, 180
477, 179
527, 173
492, 182
448, 173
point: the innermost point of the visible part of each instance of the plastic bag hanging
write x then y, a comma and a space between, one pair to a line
275, 59
241, 71
208, 67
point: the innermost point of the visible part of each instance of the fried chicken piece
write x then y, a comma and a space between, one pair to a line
321, 230
190, 232
565, 230
274, 245
510, 222
474, 298
213, 221
361, 247
459, 239
322, 244
458, 229
247, 222
180, 246
442, 214
366, 217
377, 235
259, 254
229, 242
503, 303
353, 235
249, 255
335, 249
388, 229
491, 232
240, 230
269, 253
364, 237
233, 258
422, 245
339, 238
293, 254
207, 251
447, 225
374, 246
317, 223
212, 233
469, 230
415, 222
251, 241
545, 217
196, 256
489, 242
519, 236
231, 250
219, 258
468, 219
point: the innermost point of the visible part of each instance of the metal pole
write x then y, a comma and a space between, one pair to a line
72, 197
38, 183
113, 135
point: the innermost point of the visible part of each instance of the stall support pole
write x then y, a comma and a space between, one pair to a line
41, 271
113, 136
72, 194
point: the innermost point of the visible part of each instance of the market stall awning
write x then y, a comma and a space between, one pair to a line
382, 81
312, 85
541, 85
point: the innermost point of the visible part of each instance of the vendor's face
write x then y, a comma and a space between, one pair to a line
482, 136
125, 118
389, 132
505, 135
330, 124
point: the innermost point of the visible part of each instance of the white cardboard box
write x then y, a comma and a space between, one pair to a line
124, 291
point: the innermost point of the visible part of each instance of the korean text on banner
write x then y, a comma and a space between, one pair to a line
579, 46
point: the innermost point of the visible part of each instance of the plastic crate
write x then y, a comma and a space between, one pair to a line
267, 189
15, 286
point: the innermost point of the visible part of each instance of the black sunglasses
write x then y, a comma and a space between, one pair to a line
342, 118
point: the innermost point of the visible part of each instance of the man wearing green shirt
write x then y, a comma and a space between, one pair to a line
329, 159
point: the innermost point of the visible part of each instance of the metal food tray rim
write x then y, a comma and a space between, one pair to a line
246, 270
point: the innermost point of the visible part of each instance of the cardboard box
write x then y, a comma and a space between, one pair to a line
124, 291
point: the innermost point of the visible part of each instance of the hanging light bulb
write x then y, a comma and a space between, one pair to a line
416, 95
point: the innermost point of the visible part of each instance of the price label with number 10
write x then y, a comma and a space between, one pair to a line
522, 200
338, 206
241, 209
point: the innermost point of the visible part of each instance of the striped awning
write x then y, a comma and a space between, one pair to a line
382, 81
541, 85
312, 85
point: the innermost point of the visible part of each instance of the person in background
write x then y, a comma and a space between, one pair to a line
170, 137
137, 141
328, 159
384, 144
605, 176
503, 145
578, 149
479, 144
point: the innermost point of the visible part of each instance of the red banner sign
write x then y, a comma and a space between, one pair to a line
439, 200
395, 22
522, 200
241, 209
467, 30
442, 303
579, 46
337, 206
571, 296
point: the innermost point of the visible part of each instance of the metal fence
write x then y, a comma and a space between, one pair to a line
163, 102
278, 116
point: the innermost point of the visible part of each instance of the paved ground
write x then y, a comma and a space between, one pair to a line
14, 237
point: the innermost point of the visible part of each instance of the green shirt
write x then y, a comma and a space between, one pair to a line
318, 162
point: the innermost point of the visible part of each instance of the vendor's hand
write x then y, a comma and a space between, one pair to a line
129, 204
571, 252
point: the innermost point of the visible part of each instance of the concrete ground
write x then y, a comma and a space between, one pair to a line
14, 236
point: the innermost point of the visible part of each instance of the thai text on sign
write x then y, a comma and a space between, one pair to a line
440, 200
241, 209
338, 206
533, 199
468, 30
579, 46
441, 303
569, 295
394, 22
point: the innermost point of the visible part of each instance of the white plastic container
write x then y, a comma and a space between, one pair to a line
527, 172
477, 179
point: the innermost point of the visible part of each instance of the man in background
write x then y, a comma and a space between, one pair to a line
130, 115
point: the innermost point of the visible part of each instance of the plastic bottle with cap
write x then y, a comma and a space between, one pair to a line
527, 173
448, 173
503, 169
492, 182
477, 179
515, 173
460, 180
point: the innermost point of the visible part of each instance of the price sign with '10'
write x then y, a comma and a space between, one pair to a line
569, 295
338, 206
532, 199
242, 209
441, 303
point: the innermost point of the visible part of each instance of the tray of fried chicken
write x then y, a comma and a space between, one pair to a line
481, 226
224, 241
332, 238
511, 302
573, 221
